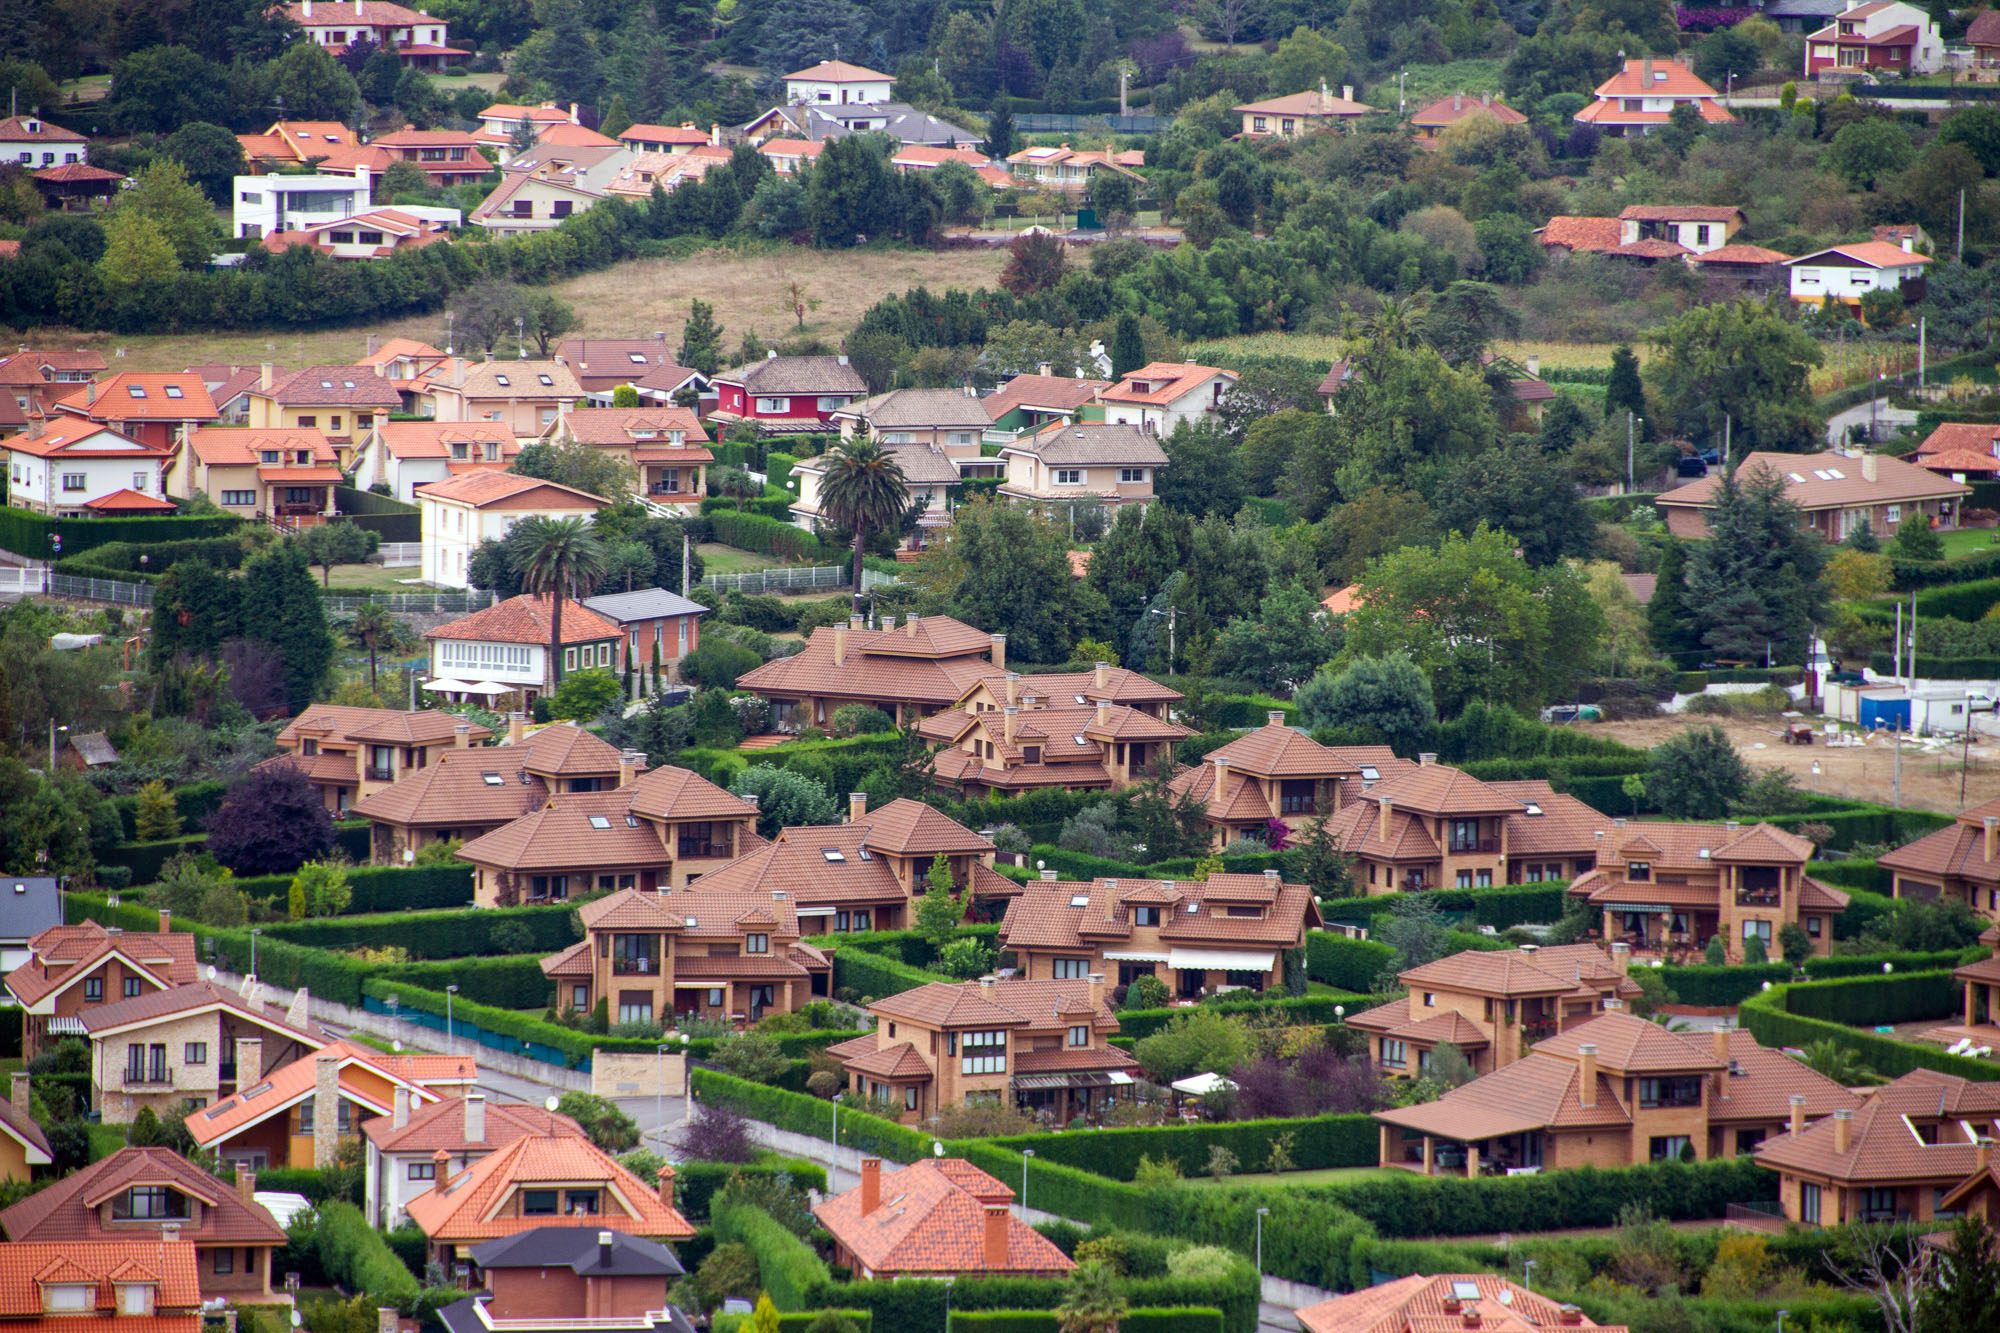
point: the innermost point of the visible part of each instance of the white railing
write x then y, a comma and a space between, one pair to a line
780, 579
20, 580
413, 603
396, 555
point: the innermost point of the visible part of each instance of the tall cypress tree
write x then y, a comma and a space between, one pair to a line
1002, 139
1128, 349
1623, 391
1668, 622
701, 339
282, 607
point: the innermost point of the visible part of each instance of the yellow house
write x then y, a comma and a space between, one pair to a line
343, 402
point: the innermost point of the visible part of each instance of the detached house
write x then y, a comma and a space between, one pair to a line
666, 446
1074, 747
524, 395
290, 144
1835, 494
265, 205
652, 831
417, 39
446, 157
153, 1199
35, 143
1696, 228
864, 874
464, 793
285, 474
910, 672
1112, 465
1962, 450
1025, 404
348, 753
156, 410
837, 82
1431, 121
1959, 861
1642, 96
935, 1219
787, 395
1881, 35
1301, 113
602, 365
1278, 773
74, 468
945, 420
1200, 937
1846, 273
1615, 1091
1072, 170
507, 645
403, 1146
1041, 1045
345, 402
460, 513
533, 1281
72, 969
1162, 395
718, 956
658, 625
191, 1044
929, 474
102, 1284
406, 455
35, 380
1493, 1006
1676, 886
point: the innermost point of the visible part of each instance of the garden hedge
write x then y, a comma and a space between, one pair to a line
147, 858
384, 888
909, 946
871, 976
1853, 873
1940, 668
917, 1306
789, 1321
1319, 1143
1963, 601
1501, 907
1776, 1017
1136, 1023
1186, 1319
1862, 910
195, 802
1343, 963
439, 934
786, 1266
28, 534
695, 1183
769, 536
515, 982
355, 1255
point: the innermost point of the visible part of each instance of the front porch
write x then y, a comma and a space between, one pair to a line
1675, 934
1059, 1100
1520, 1154
668, 484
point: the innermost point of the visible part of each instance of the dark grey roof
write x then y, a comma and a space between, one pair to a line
584, 1250
94, 747
1804, 8
29, 905
643, 604
1088, 443
797, 374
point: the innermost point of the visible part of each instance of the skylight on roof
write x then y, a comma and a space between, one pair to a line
833, 855
347, 384
1081, 699
545, 379
1370, 773
1079, 900
1079, 739
258, 1091
174, 391
136, 391
638, 358
631, 820
326, 384
600, 822
503, 381
218, 1109
492, 779
1533, 808
1796, 478
1465, 1291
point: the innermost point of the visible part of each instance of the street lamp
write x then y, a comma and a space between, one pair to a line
660, 1093
1260, 1242
1815, 773
1781, 1320
450, 1042
1026, 1153
1169, 613
1528, 1273
253, 952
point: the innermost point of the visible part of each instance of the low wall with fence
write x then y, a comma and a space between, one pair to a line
786, 578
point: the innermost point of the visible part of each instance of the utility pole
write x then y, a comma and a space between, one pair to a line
1629, 423
1913, 642
1896, 784
1965, 754
1961, 225
1896, 663
1920, 351
684, 562
1727, 422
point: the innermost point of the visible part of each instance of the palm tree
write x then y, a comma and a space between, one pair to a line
557, 558
864, 490
1837, 1062
1091, 1300
373, 626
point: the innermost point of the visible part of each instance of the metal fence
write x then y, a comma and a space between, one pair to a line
785, 578
413, 603
395, 555
100, 590
1041, 122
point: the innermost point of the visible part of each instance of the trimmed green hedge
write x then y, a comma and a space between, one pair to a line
516, 982
916, 1306
1779, 1017
355, 1255
1186, 1319
1859, 873
695, 1183
1862, 910
1319, 1143
802, 1114
1940, 668
454, 933
147, 858
1136, 1023
769, 536
786, 1265
1345, 964
28, 534
1964, 601
1502, 907
789, 1321
873, 976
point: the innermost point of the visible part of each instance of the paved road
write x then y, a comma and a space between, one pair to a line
1887, 417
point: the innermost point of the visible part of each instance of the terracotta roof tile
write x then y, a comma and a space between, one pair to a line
1881, 1144
463, 1209
911, 828
1587, 234
295, 1082
1418, 1304
1312, 103
934, 666
1450, 110
63, 955
441, 1124
26, 1265
65, 1211
133, 396
1052, 393
346, 386
484, 488
931, 1218
1175, 380
525, 619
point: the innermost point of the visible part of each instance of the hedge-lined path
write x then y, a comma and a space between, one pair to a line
843, 1172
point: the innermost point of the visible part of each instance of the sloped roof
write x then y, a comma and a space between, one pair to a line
484, 488
1873, 254
137, 396
644, 427
1842, 486
1741, 254
577, 1248
63, 954
1418, 1304
931, 1218
1599, 235
1050, 393
294, 1082
1669, 79
335, 386
463, 1208
433, 439
194, 996
1312, 103
26, 1265
1450, 110
65, 1211
911, 828
643, 604
1535, 1092
1881, 1146
1066, 914
668, 793
441, 1124
838, 71
919, 409
1175, 379
1084, 444
1628, 1044
935, 665
525, 619
797, 374
798, 865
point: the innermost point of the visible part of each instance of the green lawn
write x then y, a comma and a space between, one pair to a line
1968, 541
1339, 1175
374, 578
719, 559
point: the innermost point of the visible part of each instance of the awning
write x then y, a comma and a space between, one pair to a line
65, 1025
445, 685
490, 687
1134, 956
1089, 1078
813, 911
1200, 1085
1221, 960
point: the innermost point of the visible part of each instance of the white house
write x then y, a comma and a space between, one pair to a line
929, 473
73, 467
507, 644
1069, 462
1884, 35
408, 454
1160, 396
266, 204
417, 38
1699, 228
457, 515
1849, 272
1643, 94
838, 82
36, 144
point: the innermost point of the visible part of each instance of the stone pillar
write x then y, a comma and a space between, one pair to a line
326, 1110
1970, 991
1428, 1154
1472, 1161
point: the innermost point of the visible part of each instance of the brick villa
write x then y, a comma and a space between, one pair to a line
909, 672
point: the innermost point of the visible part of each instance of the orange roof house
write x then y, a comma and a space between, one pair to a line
1959, 861
1643, 94
1574, 235
1835, 494
1962, 450
472, 645
908, 671
107, 1286
289, 143
1278, 773
935, 1218
70, 968
1446, 111
1048, 744
1419, 1304
1296, 114
538, 1179
403, 1145
1163, 394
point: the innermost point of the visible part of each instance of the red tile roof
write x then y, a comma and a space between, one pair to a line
62, 955
293, 1083
441, 1124
134, 396
484, 488
1580, 233
1420, 1304
1313, 103
1450, 110
1175, 380
1882, 1145
931, 1219
1742, 254
525, 619
838, 71
25, 1267
125, 500
66, 1211
243, 446
14, 129
334, 386
1872, 254
1669, 79
465, 1208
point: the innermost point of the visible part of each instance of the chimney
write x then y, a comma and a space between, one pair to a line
1043, 370
910, 629
166, 921
401, 1115
90, 393
309, 8
1275, 718
840, 645
1014, 694
1798, 1123
517, 725
1621, 957
871, 1184
246, 1184
842, 358
1049, 877
1271, 878
299, 1015
1221, 776
1992, 829
1011, 720
986, 987
1868, 467
1909, 245
1843, 1129
1721, 1037
1388, 806
441, 1168
1646, 74
574, 118
1486, 99
605, 1240
475, 1117
1427, 758
1571, 1316
1458, 101
461, 735
326, 1109
249, 1060
1982, 1152
1347, 92
1096, 990
458, 372
17, 1095
999, 651
667, 1185
1534, 366
1530, 950
857, 806
1103, 712
1100, 675
1586, 1059
264, 376
631, 763
996, 1236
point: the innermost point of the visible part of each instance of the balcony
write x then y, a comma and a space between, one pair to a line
1474, 846
688, 849
226, 1071
635, 967
1759, 897
1540, 1030
149, 1078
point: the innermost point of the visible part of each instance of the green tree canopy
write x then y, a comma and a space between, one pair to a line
1745, 360
1385, 695
1695, 774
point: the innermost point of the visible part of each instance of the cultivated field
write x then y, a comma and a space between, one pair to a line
748, 291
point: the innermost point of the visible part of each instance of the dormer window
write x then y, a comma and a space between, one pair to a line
1638, 872
267, 456
756, 944
144, 1203
69, 1298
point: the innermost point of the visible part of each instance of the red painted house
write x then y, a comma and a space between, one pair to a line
649, 616
787, 395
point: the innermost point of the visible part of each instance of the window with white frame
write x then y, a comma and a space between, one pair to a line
983, 1053
1069, 476
74, 481
569, 659
1131, 474
773, 406
1071, 969
243, 499
483, 657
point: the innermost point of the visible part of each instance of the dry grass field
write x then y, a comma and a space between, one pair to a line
1326, 347
748, 291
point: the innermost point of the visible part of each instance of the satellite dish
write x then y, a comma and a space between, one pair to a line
211, 971
552, 1101
937, 1149
396, 1045
296, 1321
1506, 1296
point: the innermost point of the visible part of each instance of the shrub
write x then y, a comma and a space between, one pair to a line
786, 1265
859, 720
717, 664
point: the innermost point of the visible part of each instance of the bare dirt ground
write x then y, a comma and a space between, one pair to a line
633, 299
1930, 781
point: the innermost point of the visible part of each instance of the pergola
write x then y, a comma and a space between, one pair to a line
75, 185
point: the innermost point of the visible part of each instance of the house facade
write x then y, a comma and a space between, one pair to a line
446, 157
1846, 273
524, 395
534, 200
268, 204
665, 446
838, 83
1099, 746
1112, 465
348, 753
929, 474
787, 394
36, 144
73, 468
1300, 113
193, 1044
692, 953
418, 40
1959, 861
405, 455
1615, 1091
1884, 35
402, 1147
935, 1219
1041, 1045
1493, 1006
1643, 94
650, 831
1160, 396
1834, 498
285, 474
154, 409
1696, 228
1278, 773
507, 644
1072, 170
72, 969
1201, 937
910, 671
1673, 887
538, 1280
659, 626
464, 510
